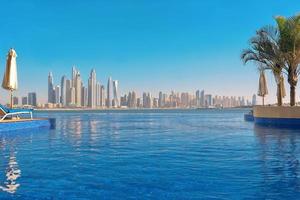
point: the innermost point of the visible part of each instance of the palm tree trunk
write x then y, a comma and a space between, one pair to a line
293, 80
279, 95
293, 95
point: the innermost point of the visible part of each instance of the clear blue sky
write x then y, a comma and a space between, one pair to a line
147, 45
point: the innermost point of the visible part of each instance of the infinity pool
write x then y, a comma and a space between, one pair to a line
174, 154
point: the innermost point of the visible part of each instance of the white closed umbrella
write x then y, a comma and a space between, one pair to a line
262, 88
10, 79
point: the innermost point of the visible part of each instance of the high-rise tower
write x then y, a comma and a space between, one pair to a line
116, 93
78, 87
63, 88
92, 89
109, 93
57, 94
74, 74
51, 92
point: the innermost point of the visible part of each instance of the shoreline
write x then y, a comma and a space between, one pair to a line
128, 109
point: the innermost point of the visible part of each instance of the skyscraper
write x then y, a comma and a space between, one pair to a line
57, 94
24, 101
198, 102
98, 94
149, 101
202, 99
78, 87
185, 99
208, 100
68, 92
102, 96
160, 100
84, 96
51, 93
144, 100
116, 93
74, 74
133, 99
73, 96
63, 89
109, 92
32, 99
92, 89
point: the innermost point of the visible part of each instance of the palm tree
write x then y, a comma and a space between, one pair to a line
289, 44
265, 51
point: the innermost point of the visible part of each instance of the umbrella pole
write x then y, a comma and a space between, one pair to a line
11, 99
263, 98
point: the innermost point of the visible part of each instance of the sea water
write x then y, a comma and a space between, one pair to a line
150, 154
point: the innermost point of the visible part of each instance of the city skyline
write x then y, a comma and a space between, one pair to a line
73, 93
164, 40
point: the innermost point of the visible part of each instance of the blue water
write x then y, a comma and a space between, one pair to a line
200, 154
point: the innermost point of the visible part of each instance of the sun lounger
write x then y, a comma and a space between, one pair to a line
7, 112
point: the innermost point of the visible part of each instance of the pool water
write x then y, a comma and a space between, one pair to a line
151, 154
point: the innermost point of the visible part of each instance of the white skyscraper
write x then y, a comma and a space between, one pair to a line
92, 89
109, 92
116, 93
102, 96
63, 95
78, 87
202, 98
57, 94
74, 74
98, 94
73, 96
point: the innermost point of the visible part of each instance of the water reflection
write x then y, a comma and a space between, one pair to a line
9, 169
12, 174
280, 154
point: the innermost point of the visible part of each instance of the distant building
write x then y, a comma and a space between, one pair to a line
24, 101
74, 74
84, 96
98, 94
57, 94
73, 96
51, 92
185, 100
132, 100
254, 100
160, 100
208, 100
147, 100
109, 93
124, 101
78, 87
116, 93
32, 99
155, 103
202, 99
92, 84
16, 101
68, 92
102, 96
64, 92
198, 98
